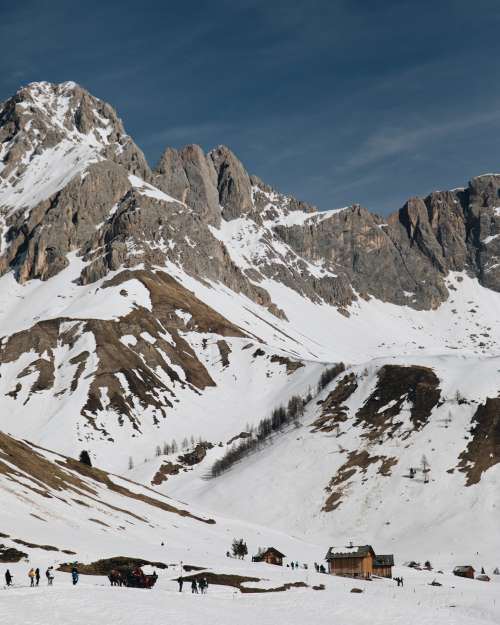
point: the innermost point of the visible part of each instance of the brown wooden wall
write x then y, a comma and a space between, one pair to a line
355, 567
272, 558
383, 571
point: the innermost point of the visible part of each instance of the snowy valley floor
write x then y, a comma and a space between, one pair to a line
93, 602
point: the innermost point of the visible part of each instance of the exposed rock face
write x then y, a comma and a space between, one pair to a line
483, 451
189, 176
233, 184
327, 257
397, 385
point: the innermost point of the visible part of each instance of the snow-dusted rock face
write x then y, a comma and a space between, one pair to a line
139, 306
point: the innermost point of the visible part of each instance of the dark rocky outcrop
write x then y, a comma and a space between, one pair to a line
483, 450
417, 386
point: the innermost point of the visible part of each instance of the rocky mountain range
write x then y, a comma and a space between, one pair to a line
141, 305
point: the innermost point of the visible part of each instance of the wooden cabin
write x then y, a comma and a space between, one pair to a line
382, 565
351, 561
271, 556
464, 571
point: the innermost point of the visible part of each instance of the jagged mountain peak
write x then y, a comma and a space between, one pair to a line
64, 119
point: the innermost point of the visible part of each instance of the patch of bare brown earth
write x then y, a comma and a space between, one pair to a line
333, 410
483, 451
396, 385
238, 581
106, 565
358, 461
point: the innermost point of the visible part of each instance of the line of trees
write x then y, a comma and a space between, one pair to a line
280, 419
170, 448
328, 375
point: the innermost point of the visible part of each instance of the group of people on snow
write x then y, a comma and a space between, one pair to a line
33, 576
199, 585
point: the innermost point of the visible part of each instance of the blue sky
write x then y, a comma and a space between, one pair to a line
334, 102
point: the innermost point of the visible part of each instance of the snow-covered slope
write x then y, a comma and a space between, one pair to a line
155, 317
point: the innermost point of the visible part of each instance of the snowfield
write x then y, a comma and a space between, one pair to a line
457, 602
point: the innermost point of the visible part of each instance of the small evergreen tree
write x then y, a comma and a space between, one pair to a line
239, 548
158, 450
85, 458
130, 463
185, 443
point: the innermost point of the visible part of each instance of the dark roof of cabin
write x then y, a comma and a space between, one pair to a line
384, 560
271, 550
466, 567
354, 551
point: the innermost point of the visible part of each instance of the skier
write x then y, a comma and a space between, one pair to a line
37, 576
203, 585
194, 587
8, 577
31, 575
180, 581
293, 566
74, 575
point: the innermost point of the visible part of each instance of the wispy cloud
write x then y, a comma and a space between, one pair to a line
391, 141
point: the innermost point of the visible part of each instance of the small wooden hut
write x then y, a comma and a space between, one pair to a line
464, 571
382, 565
351, 561
271, 556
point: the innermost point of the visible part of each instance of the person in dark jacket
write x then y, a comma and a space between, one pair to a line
194, 587
74, 575
180, 581
49, 575
37, 576
8, 577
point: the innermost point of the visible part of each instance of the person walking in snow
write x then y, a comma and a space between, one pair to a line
31, 575
194, 587
49, 576
74, 575
8, 577
180, 581
37, 576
